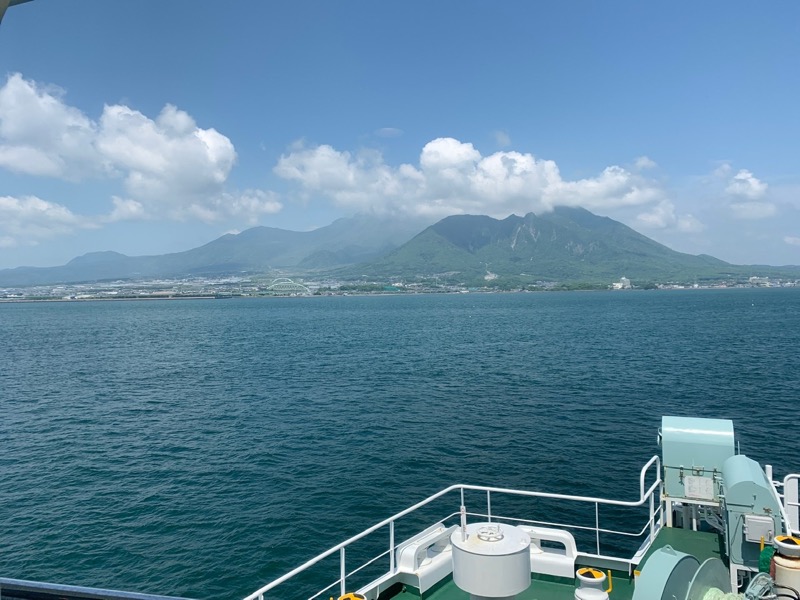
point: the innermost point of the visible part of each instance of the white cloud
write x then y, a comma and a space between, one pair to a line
663, 216
689, 224
169, 166
41, 135
251, 204
28, 219
643, 163
126, 209
723, 170
744, 194
31, 161
615, 187
658, 217
753, 210
745, 184
792, 241
357, 182
453, 177
502, 139
448, 156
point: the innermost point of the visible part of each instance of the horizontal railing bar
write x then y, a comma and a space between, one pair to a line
587, 499
568, 497
563, 525
75, 591
627, 561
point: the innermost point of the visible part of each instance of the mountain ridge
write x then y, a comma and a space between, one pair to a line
346, 241
565, 244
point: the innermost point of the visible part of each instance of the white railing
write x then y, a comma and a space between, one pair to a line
646, 496
791, 502
20, 588
789, 499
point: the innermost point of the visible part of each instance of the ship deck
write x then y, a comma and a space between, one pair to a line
702, 545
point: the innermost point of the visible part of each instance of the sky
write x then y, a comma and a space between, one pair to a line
158, 125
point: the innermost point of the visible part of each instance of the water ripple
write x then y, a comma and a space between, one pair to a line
202, 448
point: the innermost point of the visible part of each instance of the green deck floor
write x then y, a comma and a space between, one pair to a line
699, 544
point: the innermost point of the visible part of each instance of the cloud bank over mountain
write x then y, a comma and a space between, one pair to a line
168, 168
453, 177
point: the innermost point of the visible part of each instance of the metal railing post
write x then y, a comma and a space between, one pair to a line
342, 572
652, 519
391, 547
489, 505
597, 525
791, 502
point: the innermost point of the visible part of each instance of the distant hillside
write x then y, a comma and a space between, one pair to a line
568, 244
260, 249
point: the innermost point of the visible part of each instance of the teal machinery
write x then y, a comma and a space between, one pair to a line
751, 511
704, 475
693, 452
751, 519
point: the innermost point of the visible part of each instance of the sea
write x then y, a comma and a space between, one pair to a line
202, 448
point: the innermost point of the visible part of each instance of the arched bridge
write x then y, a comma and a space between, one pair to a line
286, 287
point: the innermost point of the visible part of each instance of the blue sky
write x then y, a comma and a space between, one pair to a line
156, 126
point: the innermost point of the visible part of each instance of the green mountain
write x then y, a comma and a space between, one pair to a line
567, 245
346, 241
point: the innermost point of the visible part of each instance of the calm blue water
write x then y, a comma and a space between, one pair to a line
202, 448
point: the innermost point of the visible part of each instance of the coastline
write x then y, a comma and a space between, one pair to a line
362, 294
